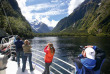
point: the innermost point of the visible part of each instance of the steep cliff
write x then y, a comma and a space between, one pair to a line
92, 17
11, 18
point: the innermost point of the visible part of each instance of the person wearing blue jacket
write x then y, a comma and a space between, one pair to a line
19, 50
89, 61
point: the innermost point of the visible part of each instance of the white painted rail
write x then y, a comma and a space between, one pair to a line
41, 56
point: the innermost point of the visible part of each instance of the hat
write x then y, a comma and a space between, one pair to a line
90, 53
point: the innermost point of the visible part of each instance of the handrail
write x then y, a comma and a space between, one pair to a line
65, 62
62, 67
53, 63
56, 70
38, 59
38, 64
56, 63
38, 55
44, 62
50, 66
58, 59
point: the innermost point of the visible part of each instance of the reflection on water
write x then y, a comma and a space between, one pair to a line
68, 47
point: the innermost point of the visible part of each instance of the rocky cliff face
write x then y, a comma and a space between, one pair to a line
92, 16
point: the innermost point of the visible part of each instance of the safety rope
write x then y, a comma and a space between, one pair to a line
6, 17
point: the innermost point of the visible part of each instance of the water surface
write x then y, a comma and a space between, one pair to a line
68, 47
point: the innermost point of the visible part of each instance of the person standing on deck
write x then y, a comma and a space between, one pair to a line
49, 50
19, 49
90, 60
27, 54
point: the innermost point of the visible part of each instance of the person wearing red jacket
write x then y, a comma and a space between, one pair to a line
49, 50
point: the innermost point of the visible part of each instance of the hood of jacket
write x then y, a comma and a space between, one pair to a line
88, 63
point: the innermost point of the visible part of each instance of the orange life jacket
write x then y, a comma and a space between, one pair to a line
49, 56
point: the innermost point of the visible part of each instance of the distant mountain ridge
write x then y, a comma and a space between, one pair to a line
51, 28
92, 17
40, 27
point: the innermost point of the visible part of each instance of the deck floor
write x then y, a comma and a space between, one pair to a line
12, 68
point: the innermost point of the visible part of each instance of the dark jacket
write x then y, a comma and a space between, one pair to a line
89, 66
19, 44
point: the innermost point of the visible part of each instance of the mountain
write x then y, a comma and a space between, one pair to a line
12, 21
40, 27
92, 17
51, 28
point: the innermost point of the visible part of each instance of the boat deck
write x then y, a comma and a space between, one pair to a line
12, 68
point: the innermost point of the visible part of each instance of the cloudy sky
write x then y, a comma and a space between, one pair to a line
47, 11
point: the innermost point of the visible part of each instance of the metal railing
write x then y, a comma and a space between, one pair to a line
39, 56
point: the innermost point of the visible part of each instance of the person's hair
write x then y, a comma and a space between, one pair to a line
51, 47
18, 38
26, 42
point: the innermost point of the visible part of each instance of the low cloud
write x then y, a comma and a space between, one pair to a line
41, 16
73, 4
50, 23
47, 12
45, 19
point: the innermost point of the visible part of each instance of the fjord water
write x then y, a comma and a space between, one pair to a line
66, 48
